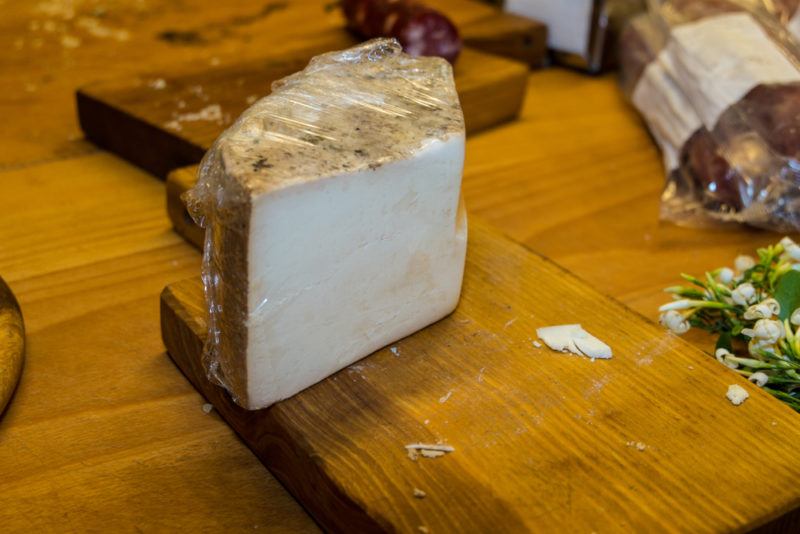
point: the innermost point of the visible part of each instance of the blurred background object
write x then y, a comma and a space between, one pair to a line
582, 33
718, 84
12, 344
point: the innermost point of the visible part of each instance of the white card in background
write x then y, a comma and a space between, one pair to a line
568, 21
720, 59
668, 112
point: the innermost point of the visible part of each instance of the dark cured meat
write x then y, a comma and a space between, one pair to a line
421, 31
716, 184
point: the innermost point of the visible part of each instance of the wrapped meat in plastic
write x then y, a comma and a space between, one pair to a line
718, 83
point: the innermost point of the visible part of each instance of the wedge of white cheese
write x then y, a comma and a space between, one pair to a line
334, 221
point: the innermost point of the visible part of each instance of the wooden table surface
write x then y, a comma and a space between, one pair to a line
103, 430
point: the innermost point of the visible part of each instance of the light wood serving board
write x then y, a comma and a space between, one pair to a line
544, 441
163, 122
12, 344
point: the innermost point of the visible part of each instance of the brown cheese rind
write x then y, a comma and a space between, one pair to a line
348, 111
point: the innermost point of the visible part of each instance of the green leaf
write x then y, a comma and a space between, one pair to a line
787, 293
724, 342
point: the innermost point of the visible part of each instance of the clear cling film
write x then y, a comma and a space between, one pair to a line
718, 84
348, 111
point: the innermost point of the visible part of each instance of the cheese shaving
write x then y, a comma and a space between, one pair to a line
573, 338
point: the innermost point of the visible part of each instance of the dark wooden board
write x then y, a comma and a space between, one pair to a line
543, 441
162, 122
12, 344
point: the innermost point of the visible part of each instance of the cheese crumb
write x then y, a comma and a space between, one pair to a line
157, 84
419, 494
423, 529
573, 338
537, 344
444, 398
207, 408
737, 394
428, 450
638, 444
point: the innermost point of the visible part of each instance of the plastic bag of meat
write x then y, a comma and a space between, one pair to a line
718, 84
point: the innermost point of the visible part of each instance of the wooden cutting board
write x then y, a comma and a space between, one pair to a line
544, 441
163, 122
12, 344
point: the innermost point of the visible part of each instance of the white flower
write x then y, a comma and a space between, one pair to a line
758, 378
682, 304
795, 319
763, 310
722, 357
675, 322
786, 241
725, 275
766, 331
773, 305
744, 294
793, 251
744, 262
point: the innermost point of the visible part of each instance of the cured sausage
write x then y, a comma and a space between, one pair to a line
421, 31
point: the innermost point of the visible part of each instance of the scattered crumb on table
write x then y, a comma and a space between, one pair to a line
737, 394
419, 494
207, 408
428, 450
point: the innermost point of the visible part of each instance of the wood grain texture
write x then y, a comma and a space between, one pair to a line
12, 344
543, 441
102, 434
50, 48
156, 123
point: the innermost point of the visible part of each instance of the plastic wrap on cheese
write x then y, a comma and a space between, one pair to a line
347, 112
718, 84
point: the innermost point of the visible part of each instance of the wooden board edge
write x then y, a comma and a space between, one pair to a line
505, 106
318, 495
121, 133
12, 344
178, 182
510, 36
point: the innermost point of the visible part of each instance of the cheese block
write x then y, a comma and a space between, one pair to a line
333, 218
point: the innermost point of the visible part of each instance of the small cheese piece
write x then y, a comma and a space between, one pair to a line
334, 220
737, 394
573, 338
